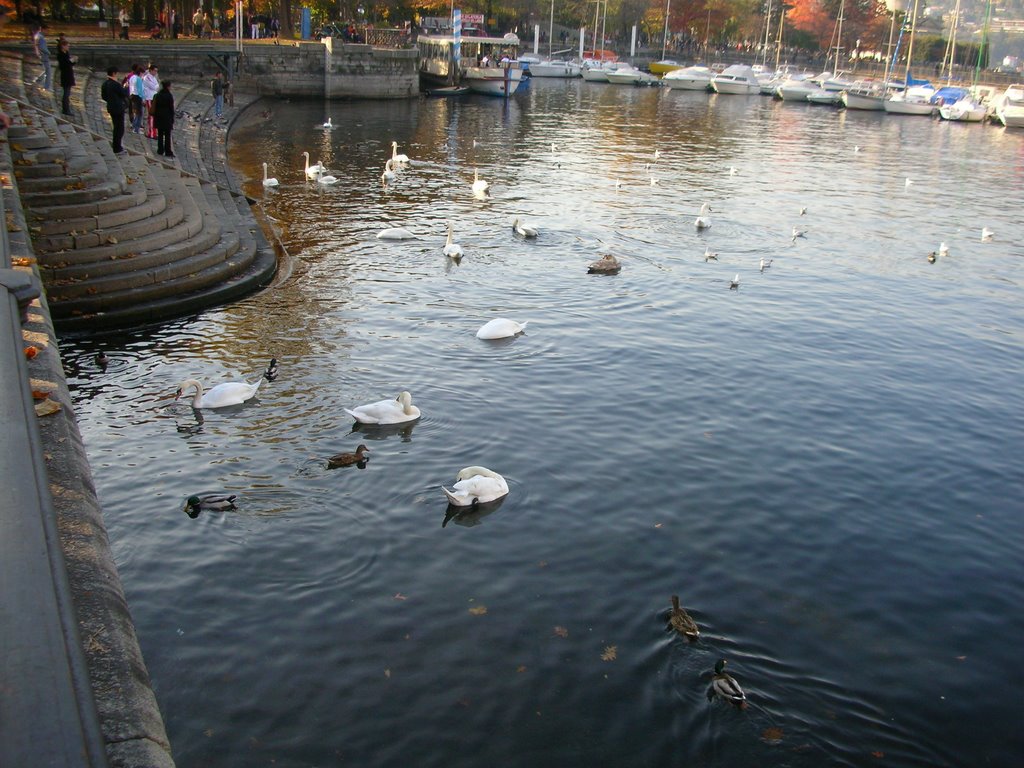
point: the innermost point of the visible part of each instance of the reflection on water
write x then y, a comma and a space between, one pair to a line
823, 464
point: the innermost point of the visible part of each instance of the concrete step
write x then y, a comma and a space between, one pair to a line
115, 183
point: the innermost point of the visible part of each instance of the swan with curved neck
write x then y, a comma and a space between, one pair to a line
452, 249
395, 411
313, 171
476, 485
395, 157
703, 221
480, 186
229, 393
268, 182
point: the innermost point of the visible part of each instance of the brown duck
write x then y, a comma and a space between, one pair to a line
682, 622
606, 265
348, 459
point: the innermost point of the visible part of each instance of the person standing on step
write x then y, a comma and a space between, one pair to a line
43, 53
67, 73
163, 116
218, 94
116, 97
136, 97
150, 86
125, 21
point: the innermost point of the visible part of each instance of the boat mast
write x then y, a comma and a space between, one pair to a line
551, 26
604, 20
597, 15
981, 48
707, 36
839, 36
950, 55
778, 40
910, 48
664, 40
767, 34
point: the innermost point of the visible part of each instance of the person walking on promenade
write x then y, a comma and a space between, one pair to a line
163, 116
123, 17
67, 74
218, 94
116, 97
150, 86
197, 22
43, 53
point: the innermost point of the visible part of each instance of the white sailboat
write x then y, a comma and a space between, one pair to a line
969, 108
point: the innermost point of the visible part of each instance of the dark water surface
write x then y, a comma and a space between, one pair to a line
824, 464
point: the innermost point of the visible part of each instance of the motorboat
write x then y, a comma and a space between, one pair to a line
501, 79
738, 79
1009, 107
665, 66
554, 68
826, 98
915, 100
596, 71
627, 74
864, 94
695, 78
966, 109
796, 88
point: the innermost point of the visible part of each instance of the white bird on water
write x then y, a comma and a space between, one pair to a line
328, 126
733, 170
908, 182
452, 249
523, 229
710, 255
395, 233
703, 221
480, 186
734, 284
765, 264
389, 174
943, 250
313, 171
397, 158
222, 395
268, 182
500, 328
986, 235
326, 180
798, 233
396, 411
476, 485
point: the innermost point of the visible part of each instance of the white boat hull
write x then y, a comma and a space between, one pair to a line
630, 77
554, 69
863, 101
900, 107
963, 111
735, 87
493, 81
689, 79
594, 74
828, 98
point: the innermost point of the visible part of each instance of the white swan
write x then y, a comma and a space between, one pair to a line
798, 233
397, 158
313, 171
266, 181
229, 393
328, 126
908, 182
986, 235
451, 249
480, 186
395, 411
476, 485
500, 328
524, 230
703, 221
395, 233
943, 250
389, 172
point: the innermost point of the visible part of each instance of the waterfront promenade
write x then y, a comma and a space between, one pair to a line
116, 241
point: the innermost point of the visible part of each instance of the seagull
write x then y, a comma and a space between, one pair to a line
798, 233
908, 182
943, 250
734, 284
709, 255
803, 211
986, 235
733, 171
765, 264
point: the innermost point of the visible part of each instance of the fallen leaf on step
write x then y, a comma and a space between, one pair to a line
47, 407
31, 352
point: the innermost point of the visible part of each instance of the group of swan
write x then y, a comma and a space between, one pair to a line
393, 163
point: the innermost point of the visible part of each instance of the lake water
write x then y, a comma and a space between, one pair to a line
824, 464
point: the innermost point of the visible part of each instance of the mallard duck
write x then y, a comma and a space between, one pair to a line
931, 257
682, 622
725, 686
476, 485
348, 459
524, 230
703, 221
395, 411
211, 502
271, 373
606, 265
500, 328
101, 359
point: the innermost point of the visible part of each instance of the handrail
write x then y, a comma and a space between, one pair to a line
49, 714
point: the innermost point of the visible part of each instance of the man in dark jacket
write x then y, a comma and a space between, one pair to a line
116, 96
163, 119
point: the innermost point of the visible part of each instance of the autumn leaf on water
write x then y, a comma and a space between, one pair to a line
561, 631
399, 596
611, 652
521, 668
878, 753
478, 610
772, 735
387, 673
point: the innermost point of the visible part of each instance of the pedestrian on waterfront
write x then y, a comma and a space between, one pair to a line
150, 86
217, 89
207, 27
116, 96
136, 97
43, 53
163, 116
123, 17
197, 22
66, 65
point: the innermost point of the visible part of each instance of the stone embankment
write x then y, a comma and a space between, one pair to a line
118, 240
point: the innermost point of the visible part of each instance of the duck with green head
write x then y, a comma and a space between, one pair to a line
725, 687
211, 502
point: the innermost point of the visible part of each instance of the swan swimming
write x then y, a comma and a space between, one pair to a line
395, 233
524, 230
500, 328
476, 485
766, 264
326, 179
452, 249
313, 171
703, 221
480, 186
943, 250
397, 411
395, 157
389, 172
908, 182
328, 126
268, 182
228, 393
798, 233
